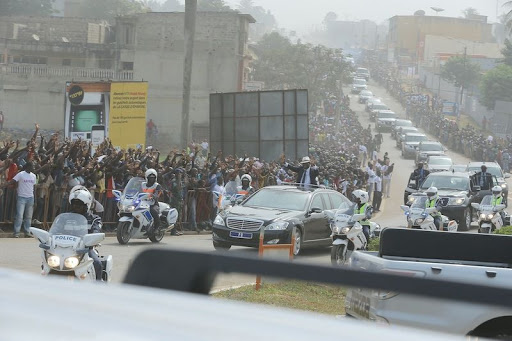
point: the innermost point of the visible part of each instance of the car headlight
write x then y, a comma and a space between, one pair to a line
71, 262
503, 185
456, 201
277, 226
53, 261
419, 221
345, 230
218, 220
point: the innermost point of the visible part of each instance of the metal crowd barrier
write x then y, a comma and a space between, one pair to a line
195, 208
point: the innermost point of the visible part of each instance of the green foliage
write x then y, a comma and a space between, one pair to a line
374, 244
109, 9
469, 12
26, 7
460, 71
167, 6
265, 20
496, 85
213, 6
504, 230
281, 64
507, 53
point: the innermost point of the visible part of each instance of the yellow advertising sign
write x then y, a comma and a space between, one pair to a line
127, 122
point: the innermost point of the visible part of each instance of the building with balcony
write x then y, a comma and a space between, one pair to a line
38, 56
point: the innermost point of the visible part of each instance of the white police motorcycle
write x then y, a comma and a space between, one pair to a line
135, 220
420, 217
65, 248
347, 233
489, 216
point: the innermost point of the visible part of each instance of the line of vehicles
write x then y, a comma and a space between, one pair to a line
422, 251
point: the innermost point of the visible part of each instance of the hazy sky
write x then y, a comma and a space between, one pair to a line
302, 15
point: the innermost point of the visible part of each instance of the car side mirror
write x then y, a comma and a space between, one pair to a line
405, 208
315, 210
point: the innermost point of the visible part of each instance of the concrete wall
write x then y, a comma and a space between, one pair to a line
154, 43
406, 32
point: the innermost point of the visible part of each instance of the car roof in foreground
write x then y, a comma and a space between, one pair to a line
295, 188
451, 174
480, 164
165, 314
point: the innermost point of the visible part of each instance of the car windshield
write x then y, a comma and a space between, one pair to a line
362, 70
495, 171
70, 224
401, 123
415, 138
379, 107
434, 147
133, 186
387, 115
285, 200
366, 93
440, 161
420, 202
359, 82
446, 182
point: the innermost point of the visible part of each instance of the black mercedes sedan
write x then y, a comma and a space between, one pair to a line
276, 210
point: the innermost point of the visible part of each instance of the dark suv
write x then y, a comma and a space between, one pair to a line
276, 210
456, 193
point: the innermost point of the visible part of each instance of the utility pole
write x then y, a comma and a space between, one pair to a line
190, 32
462, 85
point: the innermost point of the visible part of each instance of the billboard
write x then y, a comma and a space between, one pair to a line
118, 109
261, 123
127, 119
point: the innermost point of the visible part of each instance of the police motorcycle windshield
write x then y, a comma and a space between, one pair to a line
420, 202
344, 214
133, 187
70, 224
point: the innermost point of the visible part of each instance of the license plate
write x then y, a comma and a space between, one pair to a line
359, 304
242, 235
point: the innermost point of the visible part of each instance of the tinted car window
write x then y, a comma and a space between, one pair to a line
492, 170
285, 200
318, 202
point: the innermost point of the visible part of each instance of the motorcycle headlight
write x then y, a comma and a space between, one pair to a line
345, 230
71, 262
482, 216
503, 185
127, 208
410, 199
277, 226
490, 216
218, 220
419, 221
53, 261
456, 201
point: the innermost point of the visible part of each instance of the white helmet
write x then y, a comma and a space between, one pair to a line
81, 194
77, 187
496, 190
246, 177
432, 192
361, 195
149, 172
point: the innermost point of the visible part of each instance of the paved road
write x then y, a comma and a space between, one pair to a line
24, 254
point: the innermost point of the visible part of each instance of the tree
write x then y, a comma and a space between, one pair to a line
331, 16
109, 9
470, 12
26, 7
213, 6
507, 53
461, 72
281, 64
265, 20
496, 86
167, 6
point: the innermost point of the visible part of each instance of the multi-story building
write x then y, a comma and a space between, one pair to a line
38, 55
406, 38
